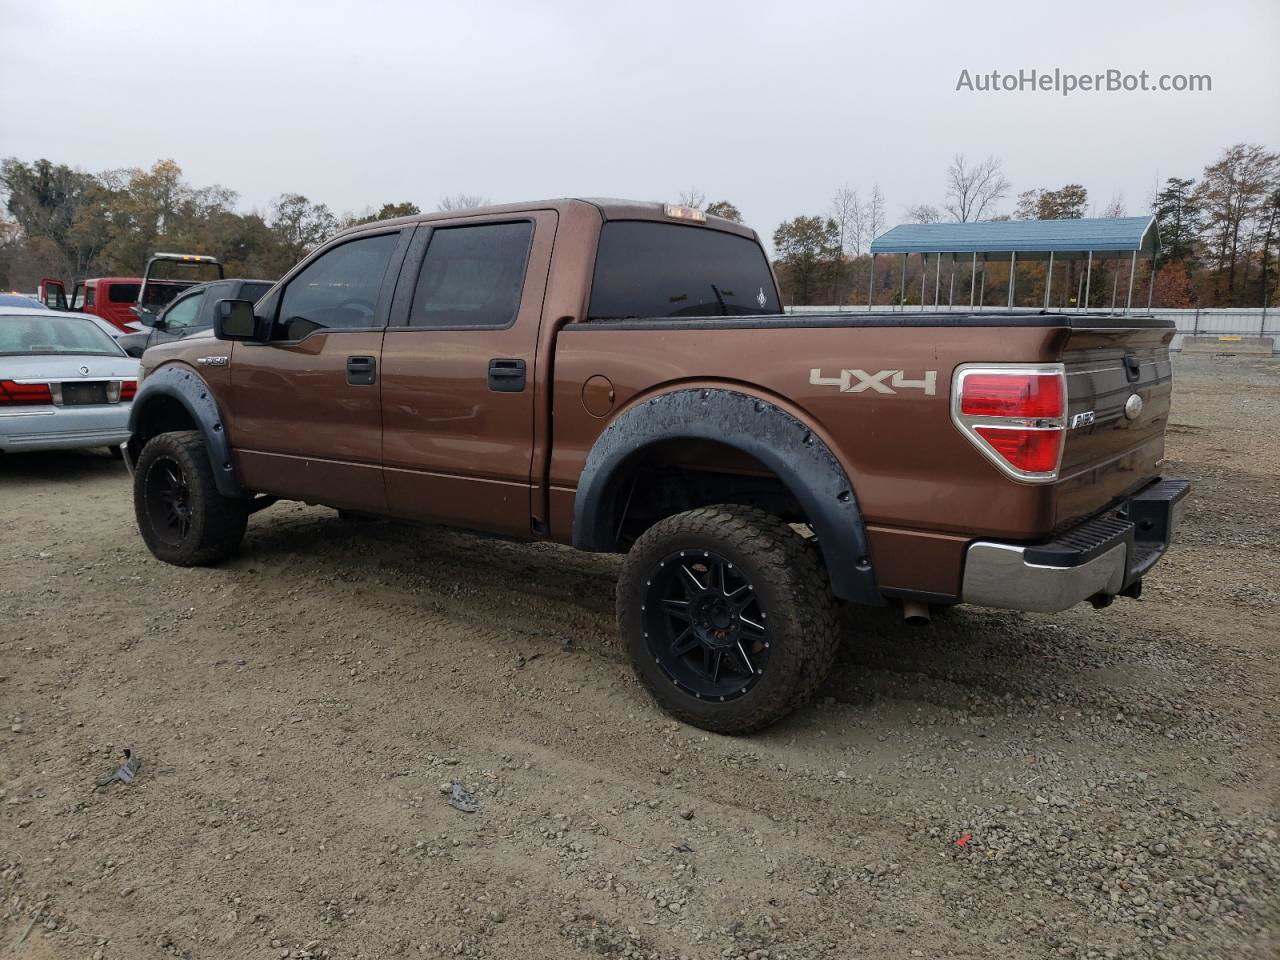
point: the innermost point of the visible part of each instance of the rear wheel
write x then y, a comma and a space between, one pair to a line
181, 516
727, 616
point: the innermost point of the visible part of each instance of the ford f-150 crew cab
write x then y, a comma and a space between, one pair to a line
621, 377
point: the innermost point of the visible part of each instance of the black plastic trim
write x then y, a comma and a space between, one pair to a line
778, 440
184, 385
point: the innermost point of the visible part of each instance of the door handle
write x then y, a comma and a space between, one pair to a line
506, 376
361, 371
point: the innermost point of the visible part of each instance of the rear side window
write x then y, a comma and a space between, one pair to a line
646, 269
120, 293
472, 276
253, 291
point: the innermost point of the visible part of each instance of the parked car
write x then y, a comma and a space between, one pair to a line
23, 300
64, 383
619, 376
124, 301
191, 313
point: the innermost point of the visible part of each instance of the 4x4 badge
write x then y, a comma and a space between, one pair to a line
928, 381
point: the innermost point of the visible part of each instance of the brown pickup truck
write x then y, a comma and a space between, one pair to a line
621, 377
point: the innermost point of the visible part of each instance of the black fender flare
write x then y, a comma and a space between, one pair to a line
187, 387
784, 444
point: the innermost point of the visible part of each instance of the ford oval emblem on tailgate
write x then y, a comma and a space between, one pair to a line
1133, 407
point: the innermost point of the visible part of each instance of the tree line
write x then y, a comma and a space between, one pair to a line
1220, 232
65, 223
1220, 235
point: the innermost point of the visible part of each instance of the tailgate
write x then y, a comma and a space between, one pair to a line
1114, 443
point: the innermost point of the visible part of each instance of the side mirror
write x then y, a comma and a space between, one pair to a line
147, 319
235, 320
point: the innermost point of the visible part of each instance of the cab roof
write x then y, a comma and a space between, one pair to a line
608, 208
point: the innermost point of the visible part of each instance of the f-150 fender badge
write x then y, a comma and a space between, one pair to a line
1081, 419
860, 381
212, 361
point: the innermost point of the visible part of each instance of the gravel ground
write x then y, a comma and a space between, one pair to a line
1088, 784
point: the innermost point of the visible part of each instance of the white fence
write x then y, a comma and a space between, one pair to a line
1240, 321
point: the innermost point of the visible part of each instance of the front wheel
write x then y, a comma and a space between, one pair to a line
182, 517
727, 616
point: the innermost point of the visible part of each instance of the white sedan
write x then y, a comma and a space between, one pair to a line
64, 383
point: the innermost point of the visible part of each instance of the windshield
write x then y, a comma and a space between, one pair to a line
48, 333
647, 269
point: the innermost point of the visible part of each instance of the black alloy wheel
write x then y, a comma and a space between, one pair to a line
168, 500
705, 625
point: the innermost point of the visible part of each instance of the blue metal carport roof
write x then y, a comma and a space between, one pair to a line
1109, 236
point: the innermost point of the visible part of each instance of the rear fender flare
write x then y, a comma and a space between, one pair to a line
784, 444
181, 383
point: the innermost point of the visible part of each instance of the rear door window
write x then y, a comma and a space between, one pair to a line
472, 276
649, 269
122, 292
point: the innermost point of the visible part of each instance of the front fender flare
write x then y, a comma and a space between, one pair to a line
182, 384
796, 455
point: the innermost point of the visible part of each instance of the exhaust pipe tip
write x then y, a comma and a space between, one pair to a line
915, 613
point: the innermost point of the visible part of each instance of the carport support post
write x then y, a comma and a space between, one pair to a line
1151, 285
1115, 287
1088, 280
1079, 292
1133, 268
1048, 281
973, 277
924, 274
951, 294
937, 282
982, 290
1013, 266
902, 297
871, 284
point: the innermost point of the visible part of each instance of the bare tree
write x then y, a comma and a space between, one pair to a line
874, 214
923, 213
1115, 208
462, 201
846, 211
972, 191
693, 197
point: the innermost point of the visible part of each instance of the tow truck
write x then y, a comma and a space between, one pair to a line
127, 301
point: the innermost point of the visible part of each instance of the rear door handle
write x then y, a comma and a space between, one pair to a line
361, 371
1132, 367
506, 376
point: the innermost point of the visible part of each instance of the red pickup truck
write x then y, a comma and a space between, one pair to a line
621, 377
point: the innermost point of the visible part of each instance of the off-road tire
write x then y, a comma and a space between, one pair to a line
785, 572
215, 524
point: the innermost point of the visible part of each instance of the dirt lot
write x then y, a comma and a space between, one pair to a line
299, 709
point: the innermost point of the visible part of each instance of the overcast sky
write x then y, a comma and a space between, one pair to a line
769, 105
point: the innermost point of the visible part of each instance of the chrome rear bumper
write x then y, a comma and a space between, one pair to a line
1099, 559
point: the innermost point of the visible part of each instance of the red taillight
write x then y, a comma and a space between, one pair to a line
1031, 451
24, 394
128, 388
1028, 395
1015, 415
